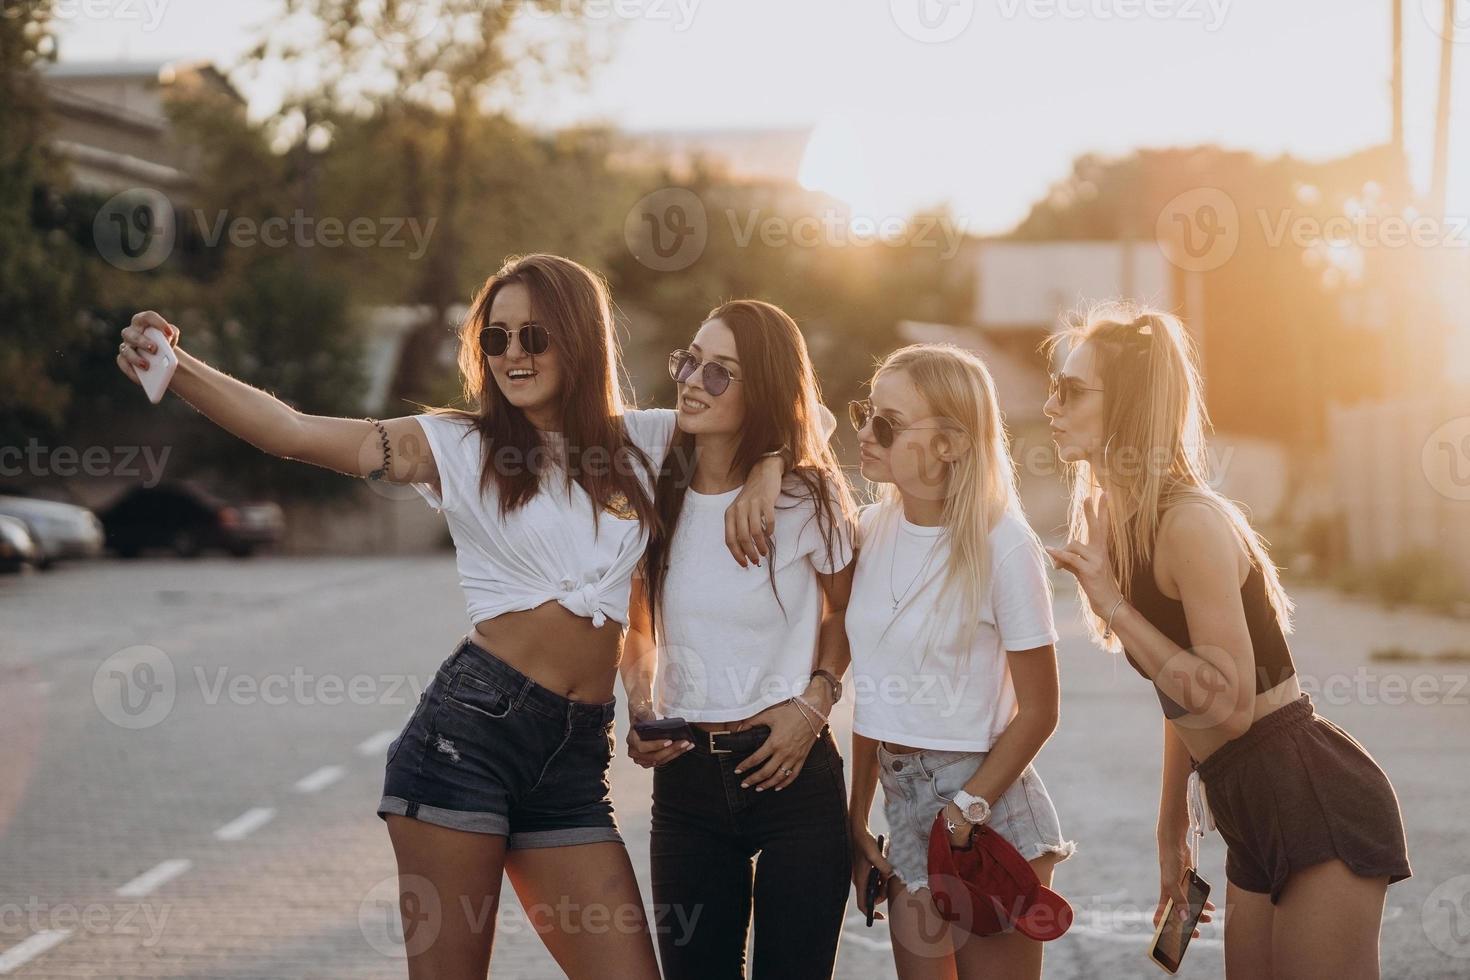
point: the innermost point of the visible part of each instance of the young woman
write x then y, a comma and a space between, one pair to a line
1174, 575
751, 658
953, 653
503, 764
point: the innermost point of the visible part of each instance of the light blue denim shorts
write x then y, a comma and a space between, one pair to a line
917, 785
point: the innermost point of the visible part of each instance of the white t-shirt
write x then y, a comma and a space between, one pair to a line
549, 548
727, 648
911, 684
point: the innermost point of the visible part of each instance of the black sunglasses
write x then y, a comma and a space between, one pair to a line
884, 428
715, 376
534, 339
1064, 386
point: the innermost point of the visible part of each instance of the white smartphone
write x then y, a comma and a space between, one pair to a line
160, 368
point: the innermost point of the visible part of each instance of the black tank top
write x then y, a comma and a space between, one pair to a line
1273, 656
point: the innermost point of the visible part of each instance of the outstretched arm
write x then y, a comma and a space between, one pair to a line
351, 446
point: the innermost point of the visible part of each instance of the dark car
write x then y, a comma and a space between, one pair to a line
188, 520
17, 549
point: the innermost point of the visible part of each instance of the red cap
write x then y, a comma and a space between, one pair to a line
988, 887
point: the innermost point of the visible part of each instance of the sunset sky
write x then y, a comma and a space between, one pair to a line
986, 119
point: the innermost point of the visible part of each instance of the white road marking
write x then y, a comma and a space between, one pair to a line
246, 823
29, 948
160, 874
377, 744
321, 779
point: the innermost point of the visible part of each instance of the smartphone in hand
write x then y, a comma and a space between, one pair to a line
161, 366
1172, 936
660, 728
873, 887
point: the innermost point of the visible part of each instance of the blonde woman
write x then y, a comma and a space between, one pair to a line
953, 653
1173, 574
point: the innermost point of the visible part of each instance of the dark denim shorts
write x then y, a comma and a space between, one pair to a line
491, 751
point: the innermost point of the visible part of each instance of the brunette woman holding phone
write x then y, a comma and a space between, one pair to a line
752, 659
502, 767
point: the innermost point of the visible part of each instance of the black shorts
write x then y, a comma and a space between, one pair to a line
491, 751
1296, 790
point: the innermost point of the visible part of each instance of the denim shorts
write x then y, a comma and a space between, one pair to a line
491, 751
917, 785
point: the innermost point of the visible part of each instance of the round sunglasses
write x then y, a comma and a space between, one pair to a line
533, 338
1064, 386
714, 375
861, 413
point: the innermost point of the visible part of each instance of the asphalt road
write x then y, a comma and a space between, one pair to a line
191, 754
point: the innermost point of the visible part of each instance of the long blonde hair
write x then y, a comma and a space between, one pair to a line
1154, 423
979, 486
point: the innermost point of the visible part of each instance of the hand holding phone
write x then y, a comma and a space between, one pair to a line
161, 365
873, 887
656, 729
1172, 936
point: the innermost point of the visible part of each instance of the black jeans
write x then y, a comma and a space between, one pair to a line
707, 830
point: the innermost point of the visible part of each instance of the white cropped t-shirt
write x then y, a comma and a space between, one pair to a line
727, 647
912, 683
549, 548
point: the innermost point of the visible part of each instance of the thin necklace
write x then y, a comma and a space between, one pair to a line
893, 555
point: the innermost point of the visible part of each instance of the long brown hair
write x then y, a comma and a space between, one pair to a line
571, 301
1154, 421
781, 409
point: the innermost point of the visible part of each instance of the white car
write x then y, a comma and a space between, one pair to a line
60, 530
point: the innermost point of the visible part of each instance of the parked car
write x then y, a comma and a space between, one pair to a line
59, 530
17, 550
188, 519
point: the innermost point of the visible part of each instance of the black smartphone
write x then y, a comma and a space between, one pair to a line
1172, 936
660, 728
873, 886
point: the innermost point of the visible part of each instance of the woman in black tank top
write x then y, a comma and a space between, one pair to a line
1312, 825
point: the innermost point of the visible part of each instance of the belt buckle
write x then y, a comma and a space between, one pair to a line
712, 749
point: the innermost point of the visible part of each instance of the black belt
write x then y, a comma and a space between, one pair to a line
726, 742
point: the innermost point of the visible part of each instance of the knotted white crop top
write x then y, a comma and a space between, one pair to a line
548, 548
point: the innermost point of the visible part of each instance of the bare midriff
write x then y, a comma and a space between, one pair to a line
1205, 742
558, 649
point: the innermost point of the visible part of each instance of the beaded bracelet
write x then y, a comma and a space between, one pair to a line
378, 474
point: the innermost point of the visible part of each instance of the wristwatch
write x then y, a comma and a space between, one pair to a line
976, 809
831, 679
